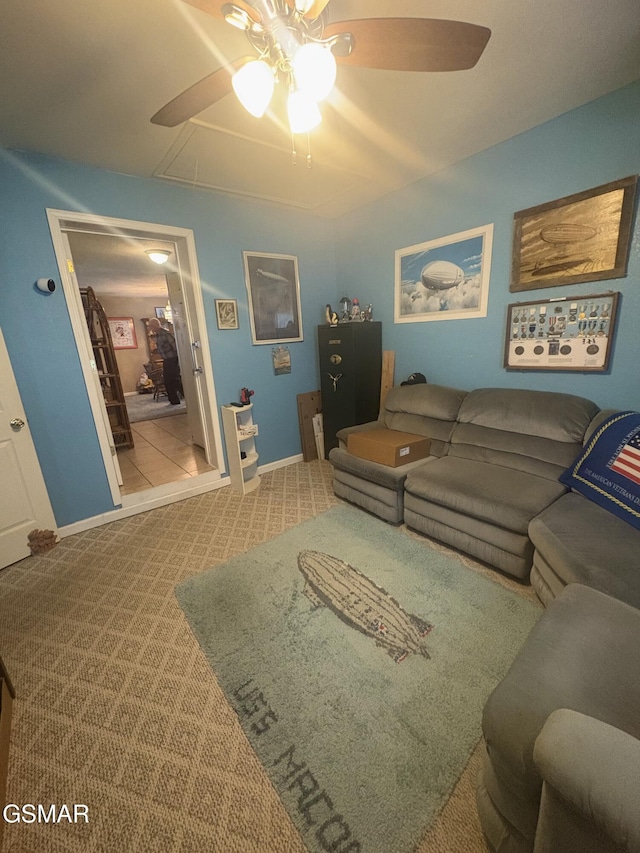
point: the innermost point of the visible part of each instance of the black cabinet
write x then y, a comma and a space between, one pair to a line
350, 374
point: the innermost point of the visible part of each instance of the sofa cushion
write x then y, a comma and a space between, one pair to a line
429, 410
607, 471
503, 549
373, 472
504, 497
582, 543
387, 504
538, 432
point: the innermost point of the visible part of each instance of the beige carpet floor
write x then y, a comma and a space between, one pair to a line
118, 709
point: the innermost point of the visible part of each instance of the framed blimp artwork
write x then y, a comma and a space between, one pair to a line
582, 237
444, 279
273, 288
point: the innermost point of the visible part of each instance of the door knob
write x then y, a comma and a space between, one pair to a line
16, 423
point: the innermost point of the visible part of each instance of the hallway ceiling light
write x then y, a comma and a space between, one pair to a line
158, 256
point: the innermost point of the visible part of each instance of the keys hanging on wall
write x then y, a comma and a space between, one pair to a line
335, 379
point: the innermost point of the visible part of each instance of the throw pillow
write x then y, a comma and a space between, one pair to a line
608, 469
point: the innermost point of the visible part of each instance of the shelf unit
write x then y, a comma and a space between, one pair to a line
105, 358
240, 437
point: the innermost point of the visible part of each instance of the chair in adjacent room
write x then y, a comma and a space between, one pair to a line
155, 373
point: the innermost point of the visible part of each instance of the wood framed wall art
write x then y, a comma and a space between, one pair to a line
123, 332
444, 279
227, 313
570, 333
582, 237
273, 288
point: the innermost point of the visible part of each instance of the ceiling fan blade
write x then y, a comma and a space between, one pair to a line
317, 8
201, 95
214, 8
412, 44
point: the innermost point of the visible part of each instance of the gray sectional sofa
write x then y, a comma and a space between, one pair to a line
490, 486
560, 771
561, 763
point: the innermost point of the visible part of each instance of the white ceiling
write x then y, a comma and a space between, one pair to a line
80, 80
118, 266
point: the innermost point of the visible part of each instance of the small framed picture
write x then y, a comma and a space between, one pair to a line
227, 313
160, 313
123, 332
281, 360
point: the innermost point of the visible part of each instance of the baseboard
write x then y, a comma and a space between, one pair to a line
280, 463
163, 496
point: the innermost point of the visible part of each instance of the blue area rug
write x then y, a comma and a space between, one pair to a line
143, 407
358, 661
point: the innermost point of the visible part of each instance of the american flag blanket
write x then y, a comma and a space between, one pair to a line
608, 469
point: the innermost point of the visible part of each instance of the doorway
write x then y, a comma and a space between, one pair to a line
110, 256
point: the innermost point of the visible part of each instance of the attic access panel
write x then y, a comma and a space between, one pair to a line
211, 157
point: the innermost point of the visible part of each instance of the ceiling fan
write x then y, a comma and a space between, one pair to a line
295, 44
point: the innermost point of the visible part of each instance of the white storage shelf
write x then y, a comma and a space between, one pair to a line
239, 434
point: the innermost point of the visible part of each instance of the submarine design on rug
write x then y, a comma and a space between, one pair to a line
361, 604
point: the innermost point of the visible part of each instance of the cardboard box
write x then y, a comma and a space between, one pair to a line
388, 446
7, 695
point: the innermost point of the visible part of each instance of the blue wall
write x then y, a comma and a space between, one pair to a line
38, 331
354, 256
587, 147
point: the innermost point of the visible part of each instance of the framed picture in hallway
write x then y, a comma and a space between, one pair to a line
444, 279
123, 332
582, 237
273, 289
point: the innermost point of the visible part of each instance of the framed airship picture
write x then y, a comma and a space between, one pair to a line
444, 279
273, 289
582, 237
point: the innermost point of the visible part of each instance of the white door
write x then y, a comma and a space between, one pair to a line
98, 396
188, 343
24, 502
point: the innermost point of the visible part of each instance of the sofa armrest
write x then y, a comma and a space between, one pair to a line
591, 786
343, 434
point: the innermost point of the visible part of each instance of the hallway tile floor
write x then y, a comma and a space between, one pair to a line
163, 453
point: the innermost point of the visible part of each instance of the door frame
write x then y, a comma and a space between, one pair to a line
61, 221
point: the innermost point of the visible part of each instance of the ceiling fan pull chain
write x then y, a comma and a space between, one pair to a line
294, 153
309, 163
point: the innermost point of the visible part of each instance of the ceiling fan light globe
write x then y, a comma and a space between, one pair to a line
314, 67
304, 113
254, 84
303, 6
